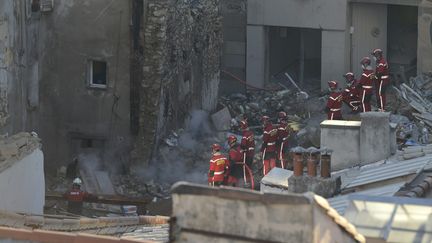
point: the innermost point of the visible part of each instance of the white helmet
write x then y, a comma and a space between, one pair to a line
77, 181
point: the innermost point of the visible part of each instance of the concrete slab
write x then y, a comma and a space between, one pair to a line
104, 182
222, 119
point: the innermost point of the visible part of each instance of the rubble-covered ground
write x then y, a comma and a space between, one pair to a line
184, 155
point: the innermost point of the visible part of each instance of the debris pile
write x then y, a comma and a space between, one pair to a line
417, 94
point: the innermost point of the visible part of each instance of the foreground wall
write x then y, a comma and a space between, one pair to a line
182, 47
22, 179
203, 214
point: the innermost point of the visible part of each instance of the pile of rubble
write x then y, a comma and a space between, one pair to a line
416, 94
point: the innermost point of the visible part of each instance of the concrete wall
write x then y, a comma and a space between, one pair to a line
343, 137
234, 45
70, 109
22, 185
256, 56
355, 143
424, 50
203, 214
374, 136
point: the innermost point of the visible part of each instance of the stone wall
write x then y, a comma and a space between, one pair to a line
18, 66
182, 47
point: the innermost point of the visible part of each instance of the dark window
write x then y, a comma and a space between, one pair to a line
98, 73
35, 5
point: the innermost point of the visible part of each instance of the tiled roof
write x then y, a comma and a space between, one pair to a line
133, 227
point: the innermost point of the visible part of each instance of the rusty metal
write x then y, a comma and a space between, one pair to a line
311, 165
298, 164
325, 165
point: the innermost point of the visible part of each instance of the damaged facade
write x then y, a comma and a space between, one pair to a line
321, 41
131, 71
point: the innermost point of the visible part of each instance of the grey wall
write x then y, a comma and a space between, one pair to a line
370, 32
314, 14
19, 66
74, 33
234, 46
424, 51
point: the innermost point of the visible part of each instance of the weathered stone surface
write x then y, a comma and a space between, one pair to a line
182, 43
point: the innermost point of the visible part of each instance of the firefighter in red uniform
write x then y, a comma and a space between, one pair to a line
235, 157
366, 82
283, 135
247, 145
334, 102
268, 149
76, 197
351, 94
218, 166
382, 78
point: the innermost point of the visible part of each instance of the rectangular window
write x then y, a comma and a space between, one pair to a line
98, 74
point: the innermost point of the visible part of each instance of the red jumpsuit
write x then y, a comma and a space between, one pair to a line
283, 135
381, 82
268, 148
247, 144
235, 157
334, 105
218, 167
351, 96
75, 199
366, 89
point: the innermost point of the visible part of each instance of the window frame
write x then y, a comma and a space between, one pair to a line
90, 74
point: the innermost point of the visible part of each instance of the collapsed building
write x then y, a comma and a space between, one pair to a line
111, 77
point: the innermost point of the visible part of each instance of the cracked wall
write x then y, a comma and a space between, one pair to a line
182, 48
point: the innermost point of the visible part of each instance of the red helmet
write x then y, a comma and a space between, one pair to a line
377, 52
244, 124
332, 84
232, 140
282, 115
265, 119
366, 61
216, 147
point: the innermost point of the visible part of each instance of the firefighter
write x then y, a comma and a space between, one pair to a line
382, 78
366, 82
268, 149
283, 135
235, 157
218, 167
247, 145
351, 94
76, 197
334, 102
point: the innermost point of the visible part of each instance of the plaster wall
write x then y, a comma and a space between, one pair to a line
315, 14
344, 139
424, 45
75, 33
22, 185
374, 136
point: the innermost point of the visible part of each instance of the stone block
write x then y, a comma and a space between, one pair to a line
8, 150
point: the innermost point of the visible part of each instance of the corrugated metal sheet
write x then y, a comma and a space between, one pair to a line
384, 172
340, 203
